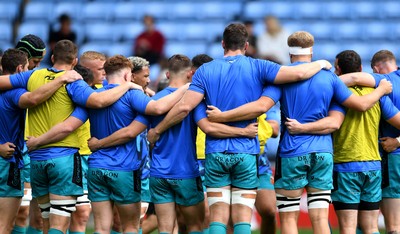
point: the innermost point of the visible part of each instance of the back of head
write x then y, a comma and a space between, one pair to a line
32, 45
12, 58
179, 63
92, 55
235, 37
348, 61
300, 43
86, 73
382, 56
138, 63
115, 64
200, 59
65, 52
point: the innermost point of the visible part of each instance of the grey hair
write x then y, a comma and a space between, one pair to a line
138, 63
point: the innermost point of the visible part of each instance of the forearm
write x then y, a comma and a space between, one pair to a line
322, 127
174, 116
370, 99
41, 94
164, 104
289, 74
5, 83
108, 97
123, 135
55, 134
218, 130
358, 78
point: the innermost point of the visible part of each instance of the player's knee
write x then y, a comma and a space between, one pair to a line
45, 210
319, 200
244, 197
287, 204
62, 207
215, 195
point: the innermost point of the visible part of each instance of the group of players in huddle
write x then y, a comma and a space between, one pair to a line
329, 140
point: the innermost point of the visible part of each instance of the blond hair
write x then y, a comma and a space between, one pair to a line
301, 39
92, 55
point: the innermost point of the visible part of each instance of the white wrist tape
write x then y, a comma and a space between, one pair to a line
398, 139
322, 63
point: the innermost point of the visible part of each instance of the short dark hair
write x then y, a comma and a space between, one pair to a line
235, 36
382, 56
64, 18
200, 59
65, 51
349, 61
116, 63
86, 73
32, 45
178, 62
11, 59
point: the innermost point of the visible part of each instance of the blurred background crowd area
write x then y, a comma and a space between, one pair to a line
192, 27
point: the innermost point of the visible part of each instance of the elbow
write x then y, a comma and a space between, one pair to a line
184, 109
336, 126
68, 129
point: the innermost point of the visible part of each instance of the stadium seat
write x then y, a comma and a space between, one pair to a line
215, 50
6, 34
202, 31
184, 10
94, 46
124, 49
321, 31
365, 10
8, 11
348, 31
377, 31
97, 11
128, 31
38, 11
259, 9
363, 49
5, 45
255, 10
129, 11
187, 48
72, 9
309, 10
124, 12
171, 30
101, 32
40, 29
326, 51
336, 10
226, 10
390, 10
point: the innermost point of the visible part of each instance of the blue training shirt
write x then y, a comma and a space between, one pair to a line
79, 92
12, 120
308, 101
228, 83
106, 121
388, 130
174, 154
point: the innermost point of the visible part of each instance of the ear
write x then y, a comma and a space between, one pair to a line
75, 62
361, 68
375, 69
246, 46
223, 44
52, 59
19, 68
167, 74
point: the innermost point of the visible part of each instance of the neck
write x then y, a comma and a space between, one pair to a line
177, 82
228, 53
115, 80
300, 58
64, 67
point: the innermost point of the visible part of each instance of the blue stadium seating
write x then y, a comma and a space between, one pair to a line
365, 10
5, 45
124, 49
100, 32
97, 11
309, 10
348, 31
38, 11
336, 10
8, 10
390, 10
72, 9
215, 50
40, 29
94, 46
127, 31
188, 48
6, 31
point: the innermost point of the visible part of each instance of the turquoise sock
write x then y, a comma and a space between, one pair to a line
32, 230
130, 232
206, 231
140, 231
196, 232
358, 230
55, 231
241, 228
164, 233
376, 233
75, 232
18, 230
216, 227
115, 232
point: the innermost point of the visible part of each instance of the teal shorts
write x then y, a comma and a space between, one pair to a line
238, 170
266, 181
122, 187
11, 184
202, 171
146, 197
184, 192
26, 170
311, 170
85, 166
354, 188
391, 176
60, 176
